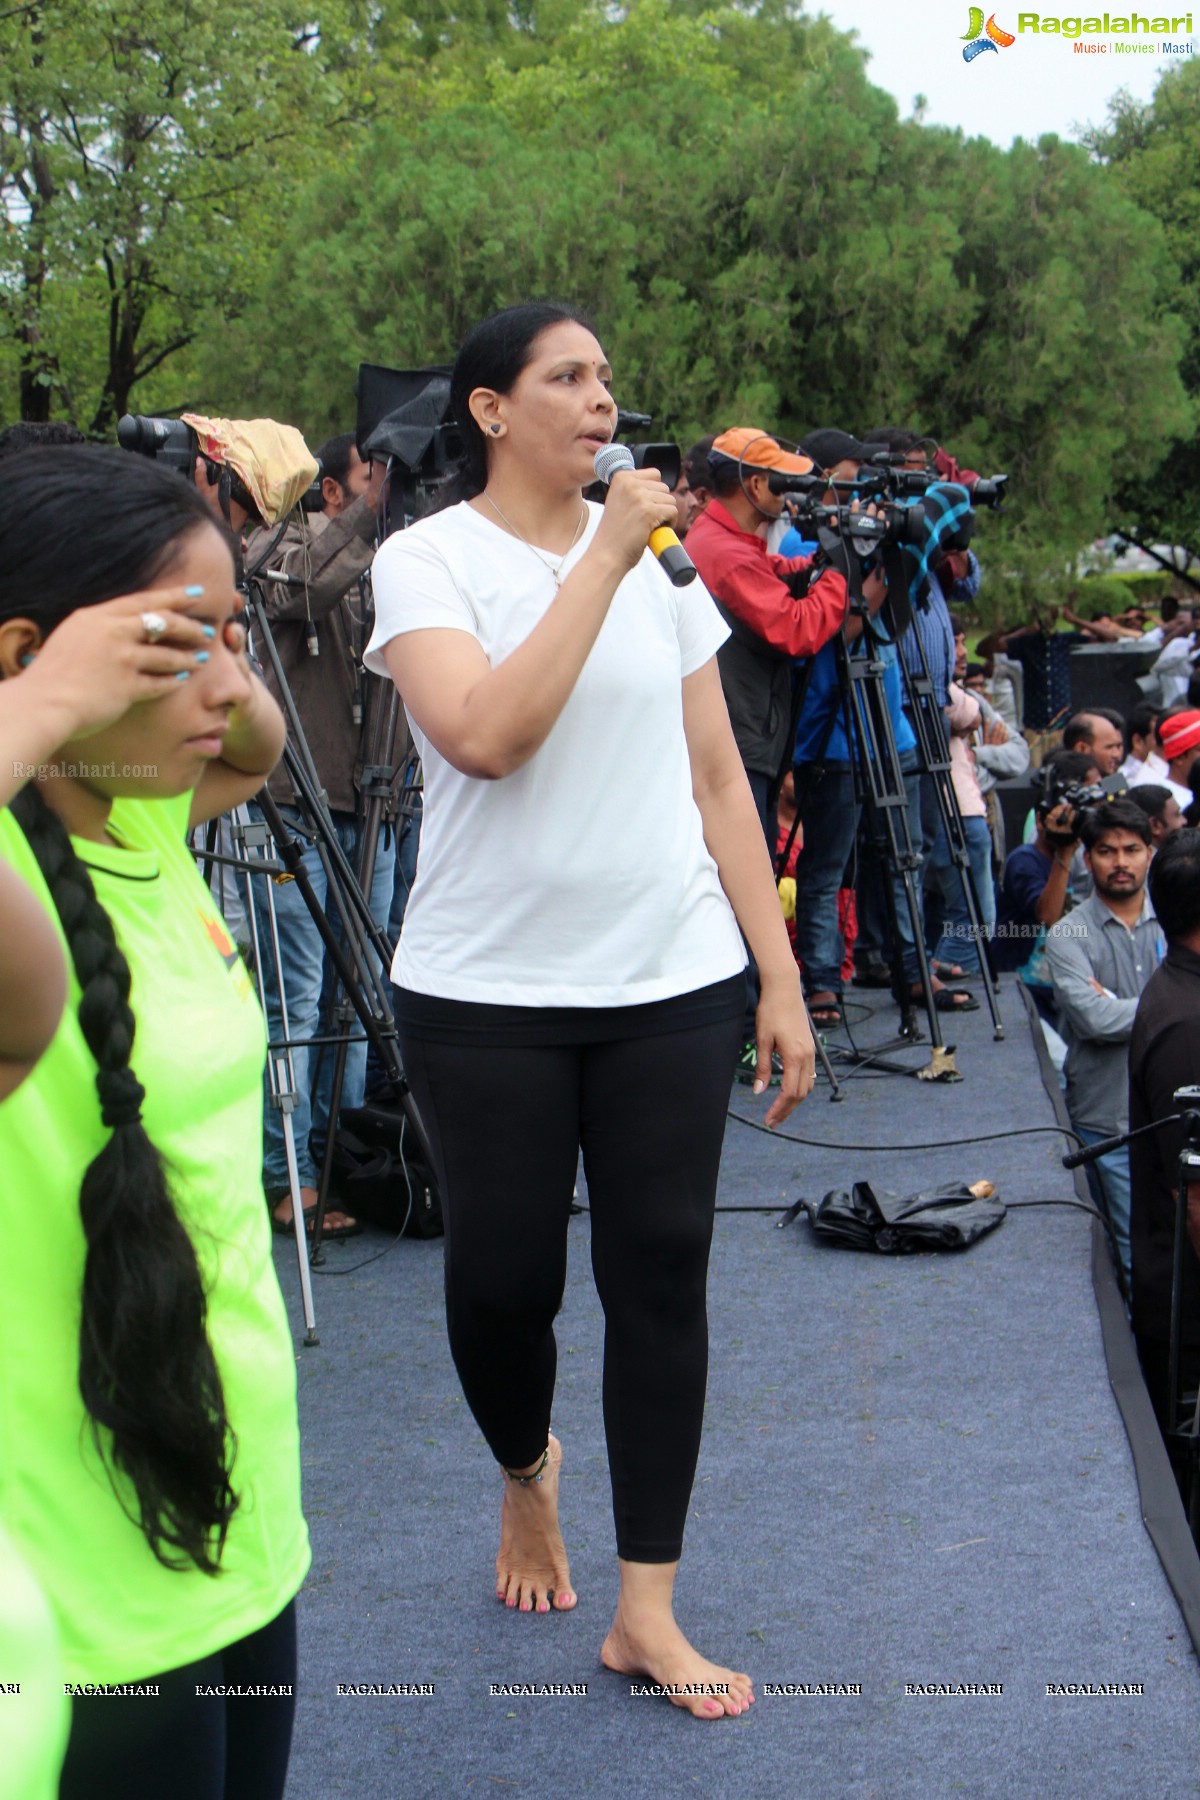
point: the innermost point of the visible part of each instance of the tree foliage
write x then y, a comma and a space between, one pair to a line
1153, 152
758, 236
138, 141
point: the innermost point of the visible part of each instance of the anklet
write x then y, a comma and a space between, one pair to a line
533, 1475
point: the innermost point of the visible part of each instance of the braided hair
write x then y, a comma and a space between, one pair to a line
147, 1374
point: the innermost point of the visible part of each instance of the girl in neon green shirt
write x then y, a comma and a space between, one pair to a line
149, 1457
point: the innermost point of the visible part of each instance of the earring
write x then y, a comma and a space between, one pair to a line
29, 656
496, 430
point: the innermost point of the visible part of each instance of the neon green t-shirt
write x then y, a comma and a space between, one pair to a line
35, 1714
199, 1051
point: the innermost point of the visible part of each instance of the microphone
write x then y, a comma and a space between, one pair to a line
1102, 1147
673, 559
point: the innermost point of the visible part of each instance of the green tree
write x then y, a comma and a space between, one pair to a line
144, 146
1153, 151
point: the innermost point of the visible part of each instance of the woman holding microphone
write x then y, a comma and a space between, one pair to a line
582, 779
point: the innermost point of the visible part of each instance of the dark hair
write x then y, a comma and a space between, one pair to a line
1112, 815
79, 526
334, 457
493, 356
896, 438
84, 523
1151, 798
1066, 766
725, 475
1174, 883
30, 434
696, 465
1141, 723
1193, 690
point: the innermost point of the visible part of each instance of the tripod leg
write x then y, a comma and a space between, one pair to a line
823, 1055
281, 1071
298, 1221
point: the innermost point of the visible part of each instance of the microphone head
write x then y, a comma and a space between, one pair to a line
611, 460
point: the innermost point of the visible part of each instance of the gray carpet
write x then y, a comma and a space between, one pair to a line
913, 1472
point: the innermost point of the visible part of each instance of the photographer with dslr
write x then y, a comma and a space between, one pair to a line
319, 622
1035, 890
1099, 960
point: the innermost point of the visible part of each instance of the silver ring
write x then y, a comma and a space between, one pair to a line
154, 626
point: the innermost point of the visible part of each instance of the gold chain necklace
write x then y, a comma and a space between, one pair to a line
554, 568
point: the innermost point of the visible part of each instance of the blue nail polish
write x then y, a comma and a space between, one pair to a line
183, 675
202, 656
193, 593
210, 631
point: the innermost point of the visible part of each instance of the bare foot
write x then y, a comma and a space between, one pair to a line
649, 1642
334, 1220
532, 1572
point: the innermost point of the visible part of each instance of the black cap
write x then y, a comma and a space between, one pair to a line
829, 447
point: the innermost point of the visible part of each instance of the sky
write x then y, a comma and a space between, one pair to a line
1036, 85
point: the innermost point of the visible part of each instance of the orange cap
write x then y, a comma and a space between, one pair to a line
758, 450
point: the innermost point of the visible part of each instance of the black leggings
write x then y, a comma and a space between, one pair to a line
180, 1745
506, 1127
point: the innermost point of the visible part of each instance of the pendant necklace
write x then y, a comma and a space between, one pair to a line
554, 568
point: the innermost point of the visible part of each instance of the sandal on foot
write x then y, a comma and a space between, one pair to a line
955, 1000
825, 1014
285, 1228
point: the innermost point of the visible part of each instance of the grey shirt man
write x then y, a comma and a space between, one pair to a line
1092, 944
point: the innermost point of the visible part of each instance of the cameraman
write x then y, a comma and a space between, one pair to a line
776, 607
1099, 961
1035, 890
320, 628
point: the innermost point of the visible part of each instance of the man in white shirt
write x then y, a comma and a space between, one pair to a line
1143, 764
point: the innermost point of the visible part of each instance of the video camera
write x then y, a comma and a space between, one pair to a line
899, 481
174, 443
1075, 794
665, 458
909, 525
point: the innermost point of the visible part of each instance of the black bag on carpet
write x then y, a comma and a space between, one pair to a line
945, 1218
381, 1175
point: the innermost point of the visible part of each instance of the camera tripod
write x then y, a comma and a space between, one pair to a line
356, 946
933, 754
879, 787
880, 793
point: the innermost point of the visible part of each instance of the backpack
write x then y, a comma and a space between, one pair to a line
381, 1174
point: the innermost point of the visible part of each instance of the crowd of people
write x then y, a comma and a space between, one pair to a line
636, 766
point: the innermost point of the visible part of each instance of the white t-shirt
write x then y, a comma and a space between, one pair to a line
582, 879
1151, 773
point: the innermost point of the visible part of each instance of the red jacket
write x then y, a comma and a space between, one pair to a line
741, 573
